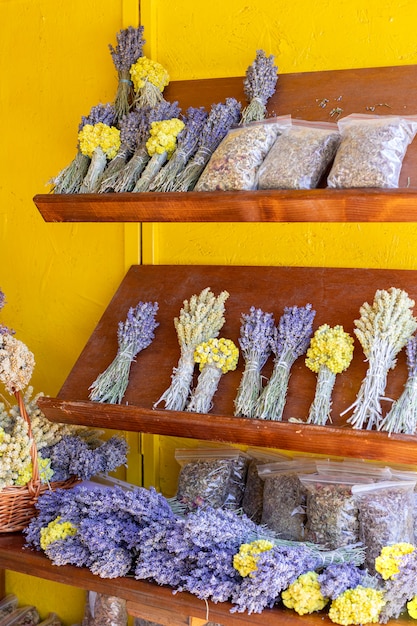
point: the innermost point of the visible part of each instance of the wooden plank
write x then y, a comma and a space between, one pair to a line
335, 293
306, 95
317, 205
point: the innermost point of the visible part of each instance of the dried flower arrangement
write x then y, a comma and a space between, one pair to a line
259, 85
128, 50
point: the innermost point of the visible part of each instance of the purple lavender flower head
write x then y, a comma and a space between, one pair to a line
338, 577
137, 332
255, 334
221, 118
105, 113
2, 299
294, 331
411, 352
261, 78
129, 47
188, 138
129, 126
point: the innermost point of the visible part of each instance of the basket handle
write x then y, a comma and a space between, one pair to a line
34, 483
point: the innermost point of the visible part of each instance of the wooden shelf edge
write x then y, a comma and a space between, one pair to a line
325, 440
316, 205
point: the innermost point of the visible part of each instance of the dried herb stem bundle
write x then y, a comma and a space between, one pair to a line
200, 319
69, 180
130, 173
129, 49
255, 344
129, 126
221, 118
215, 357
133, 335
402, 417
160, 146
383, 329
259, 85
330, 353
187, 143
290, 340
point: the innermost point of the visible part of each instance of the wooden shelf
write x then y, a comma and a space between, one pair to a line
335, 293
317, 205
148, 600
385, 90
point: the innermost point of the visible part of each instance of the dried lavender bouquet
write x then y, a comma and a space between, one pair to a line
100, 142
187, 143
129, 49
200, 319
402, 417
130, 173
383, 329
255, 345
221, 118
129, 127
290, 340
69, 180
259, 85
134, 335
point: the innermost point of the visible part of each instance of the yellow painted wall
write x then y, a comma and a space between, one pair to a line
55, 65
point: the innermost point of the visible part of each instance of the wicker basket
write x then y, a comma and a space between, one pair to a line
17, 504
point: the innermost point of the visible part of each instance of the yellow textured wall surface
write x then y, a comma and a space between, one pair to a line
55, 65
58, 278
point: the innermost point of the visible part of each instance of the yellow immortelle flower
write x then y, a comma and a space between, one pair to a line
245, 561
361, 605
412, 607
56, 530
304, 594
93, 136
147, 70
222, 353
25, 473
388, 562
330, 347
163, 136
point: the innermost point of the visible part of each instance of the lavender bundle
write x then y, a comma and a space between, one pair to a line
402, 417
255, 344
259, 86
128, 50
221, 118
130, 173
200, 319
69, 180
129, 127
290, 340
134, 335
187, 143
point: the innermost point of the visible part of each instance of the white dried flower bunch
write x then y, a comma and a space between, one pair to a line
15, 443
16, 363
201, 318
383, 330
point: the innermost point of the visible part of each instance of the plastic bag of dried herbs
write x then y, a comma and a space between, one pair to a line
300, 156
284, 497
211, 477
409, 476
8, 604
234, 164
23, 616
385, 516
372, 150
332, 512
104, 610
252, 502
